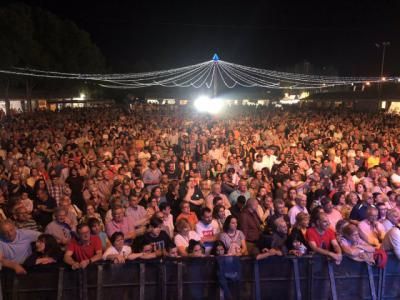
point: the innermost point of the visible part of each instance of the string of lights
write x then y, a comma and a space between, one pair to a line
205, 74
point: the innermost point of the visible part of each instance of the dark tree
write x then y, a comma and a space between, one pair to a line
37, 39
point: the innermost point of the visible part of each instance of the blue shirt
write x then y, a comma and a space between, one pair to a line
20, 248
359, 212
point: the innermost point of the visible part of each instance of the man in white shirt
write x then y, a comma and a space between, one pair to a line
391, 242
207, 228
269, 159
301, 202
258, 165
391, 220
372, 231
214, 152
395, 178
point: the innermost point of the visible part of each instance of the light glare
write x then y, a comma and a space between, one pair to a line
205, 104
215, 106
202, 103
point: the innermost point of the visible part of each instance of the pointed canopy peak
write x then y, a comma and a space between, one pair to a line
215, 57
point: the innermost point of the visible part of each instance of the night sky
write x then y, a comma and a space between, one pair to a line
155, 35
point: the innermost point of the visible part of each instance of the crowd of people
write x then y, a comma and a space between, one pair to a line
83, 185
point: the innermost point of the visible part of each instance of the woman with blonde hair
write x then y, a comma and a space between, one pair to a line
296, 241
354, 247
184, 235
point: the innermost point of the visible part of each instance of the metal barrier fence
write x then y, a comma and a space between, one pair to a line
311, 277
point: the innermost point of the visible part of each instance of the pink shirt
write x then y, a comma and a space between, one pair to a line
370, 234
334, 216
125, 226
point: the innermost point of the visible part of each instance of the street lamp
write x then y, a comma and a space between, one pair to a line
382, 45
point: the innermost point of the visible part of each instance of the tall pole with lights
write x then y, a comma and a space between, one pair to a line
215, 84
382, 45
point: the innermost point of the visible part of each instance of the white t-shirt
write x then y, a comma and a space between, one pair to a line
269, 161
258, 166
125, 251
181, 241
204, 230
395, 178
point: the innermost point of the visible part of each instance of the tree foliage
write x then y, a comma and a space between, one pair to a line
31, 37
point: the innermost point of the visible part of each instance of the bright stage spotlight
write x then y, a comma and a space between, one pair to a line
215, 106
202, 103
205, 104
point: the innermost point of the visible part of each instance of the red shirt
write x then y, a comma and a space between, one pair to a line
321, 240
84, 252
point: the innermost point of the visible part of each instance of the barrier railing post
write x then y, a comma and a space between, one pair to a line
351, 278
381, 284
99, 288
60, 283
15, 287
257, 280
1, 285
332, 280
180, 281
296, 273
80, 284
163, 281
142, 281
84, 284
310, 278
371, 282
